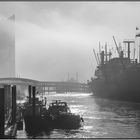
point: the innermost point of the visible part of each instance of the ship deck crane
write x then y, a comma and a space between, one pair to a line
119, 52
128, 42
116, 46
95, 57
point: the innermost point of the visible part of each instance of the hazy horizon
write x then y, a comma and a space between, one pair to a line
57, 38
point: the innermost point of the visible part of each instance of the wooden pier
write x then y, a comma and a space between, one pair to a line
8, 98
9, 115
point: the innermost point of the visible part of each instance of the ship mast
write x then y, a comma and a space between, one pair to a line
98, 58
99, 48
137, 36
106, 52
120, 54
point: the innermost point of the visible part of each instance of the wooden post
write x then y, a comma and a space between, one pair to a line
14, 105
29, 91
7, 96
33, 100
2, 113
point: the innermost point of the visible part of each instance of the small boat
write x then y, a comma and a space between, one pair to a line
61, 116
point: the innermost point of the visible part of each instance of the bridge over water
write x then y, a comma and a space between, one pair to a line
63, 87
8, 97
43, 86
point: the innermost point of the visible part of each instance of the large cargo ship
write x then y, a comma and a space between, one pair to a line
118, 78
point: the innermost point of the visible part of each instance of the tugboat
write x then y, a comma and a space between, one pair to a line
58, 115
38, 121
61, 116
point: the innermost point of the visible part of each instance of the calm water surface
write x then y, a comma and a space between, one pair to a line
102, 118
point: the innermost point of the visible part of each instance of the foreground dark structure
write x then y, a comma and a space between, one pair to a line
34, 114
58, 115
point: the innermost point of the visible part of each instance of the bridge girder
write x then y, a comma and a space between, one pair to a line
41, 84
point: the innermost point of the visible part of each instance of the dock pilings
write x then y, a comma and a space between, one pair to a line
5, 92
33, 101
32, 97
30, 92
8, 98
14, 105
2, 113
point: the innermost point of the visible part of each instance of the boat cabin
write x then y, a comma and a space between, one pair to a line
57, 107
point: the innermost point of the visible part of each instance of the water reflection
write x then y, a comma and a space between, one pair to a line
103, 118
36, 133
122, 115
120, 108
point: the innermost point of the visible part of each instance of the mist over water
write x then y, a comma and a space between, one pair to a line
102, 118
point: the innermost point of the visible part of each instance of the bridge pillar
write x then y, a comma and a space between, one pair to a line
33, 99
14, 105
30, 91
48, 90
44, 90
2, 113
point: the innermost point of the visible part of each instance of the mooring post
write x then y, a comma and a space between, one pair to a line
14, 105
29, 91
2, 112
6, 94
7, 100
33, 100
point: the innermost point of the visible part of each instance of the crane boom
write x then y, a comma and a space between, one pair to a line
119, 53
98, 58
95, 57
116, 46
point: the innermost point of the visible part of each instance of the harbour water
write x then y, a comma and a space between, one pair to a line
103, 118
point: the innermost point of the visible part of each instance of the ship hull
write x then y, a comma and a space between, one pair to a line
36, 123
126, 87
67, 121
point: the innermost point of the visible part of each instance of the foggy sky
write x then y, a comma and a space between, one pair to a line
7, 48
54, 38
